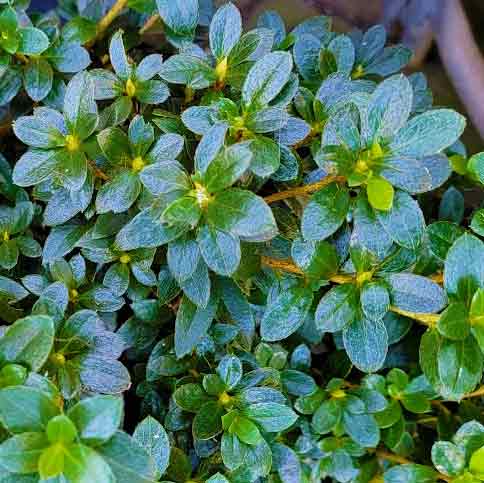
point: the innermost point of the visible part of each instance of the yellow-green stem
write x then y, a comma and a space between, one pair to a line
108, 19
303, 190
149, 24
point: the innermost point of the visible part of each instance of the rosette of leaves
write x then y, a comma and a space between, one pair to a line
381, 149
73, 445
371, 55
65, 287
291, 368
343, 411
459, 460
405, 397
232, 53
33, 55
123, 266
205, 219
24, 348
128, 155
58, 141
84, 358
128, 83
358, 306
459, 328
261, 116
15, 235
235, 406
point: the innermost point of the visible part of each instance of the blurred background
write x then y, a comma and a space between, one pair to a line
409, 27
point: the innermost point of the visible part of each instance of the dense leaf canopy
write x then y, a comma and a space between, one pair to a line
232, 256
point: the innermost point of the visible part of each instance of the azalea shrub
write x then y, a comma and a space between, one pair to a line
232, 257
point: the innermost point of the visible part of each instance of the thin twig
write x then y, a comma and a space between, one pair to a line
303, 190
149, 24
288, 266
108, 19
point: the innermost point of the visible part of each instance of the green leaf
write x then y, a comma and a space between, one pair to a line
28, 341
188, 70
366, 343
117, 278
266, 78
380, 193
454, 322
318, 260
181, 16
327, 416
407, 174
190, 397
68, 56
375, 300
151, 435
337, 309
80, 109
242, 213
225, 30
476, 465
119, 194
284, 315
61, 430
325, 212
230, 371
415, 293
97, 418
183, 256
477, 223
145, 230
21, 453
210, 147
452, 205
208, 421
442, 235
38, 78
24, 409
266, 154
10, 39
35, 166
448, 458
129, 462
270, 416
476, 166
362, 429
166, 178
227, 168
459, 366
428, 133
191, 325
389, 107
410, 473
8, 254
32, 41
463, 270
117, 55
404, 222
185, 213
220, 250
82, 463
267, 120
115, 145
233, 451
246, 431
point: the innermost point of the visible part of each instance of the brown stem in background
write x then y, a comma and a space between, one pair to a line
151, 22
303, 190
